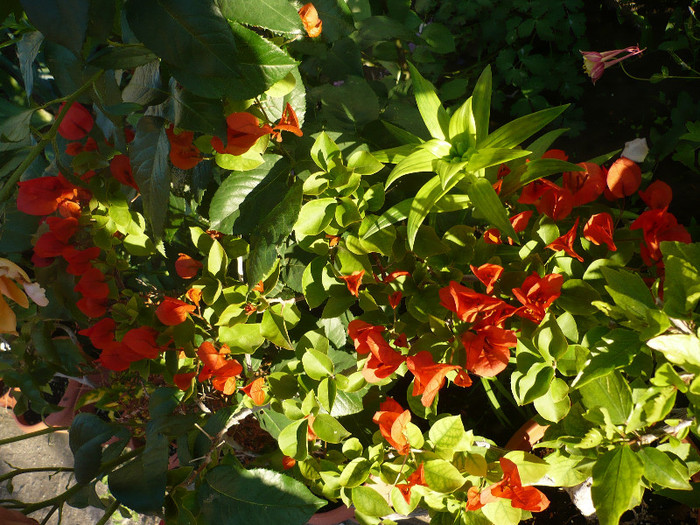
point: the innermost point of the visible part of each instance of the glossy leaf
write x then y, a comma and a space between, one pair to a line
616, 477
278, 16
327, 428
151, 169
486, 200
317, 364
511, 134
292, 439
369, 501
612, 393
434, 115
442, 476
420, 160
660, 469
447, 432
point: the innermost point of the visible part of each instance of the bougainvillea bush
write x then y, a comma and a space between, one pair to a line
204, 247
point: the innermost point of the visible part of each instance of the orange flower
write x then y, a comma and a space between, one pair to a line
599, 230
658, 195
79, 260
537, 294
183, 153
184, 381
488, 350
101, 334
309, 17
392, 420
255, 391
488, 274
510, 487
242, 133
172, 312
288, 462
42, 196
92, 284
384, 360
429, 376
260, 288
187, 267
194, 295
624, 177
395, 299
76, 123
466, 303
566, 242
353, 282
417, 477
658, 226
586, 186
92, 307
140, 343
120, 168
220, 370
288, 122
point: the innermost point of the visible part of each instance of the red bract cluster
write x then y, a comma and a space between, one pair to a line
392, 420
658, 225
510, 487
218, 368
136, 344
383, 360
183, 153
537, 294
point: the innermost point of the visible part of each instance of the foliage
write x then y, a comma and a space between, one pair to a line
247, 209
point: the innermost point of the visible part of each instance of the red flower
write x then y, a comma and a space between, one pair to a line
194, 295
401, 341
566, 242
586, 186
42, 196
392, 420
658, 195
92, 307
79, 260
184, 381
101, 334
519, 223
288, 462
222, 371
115, 357
467, 303
599, 230
429, 376
462, 379
140, 343
353, 282
510, 487
309, 17
187, 267
556, 203
537, 294
488, 350
255, 391
395, 299
474, 498
242, 133
172, 312
533, 192
92, 285
76, 123
120, 168
383, 360
488, 274
555, 154
76, 148
183, 153
658, 226
288, 122
417, 477
624, 177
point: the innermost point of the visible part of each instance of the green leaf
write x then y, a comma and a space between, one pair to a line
396, 213
15, 128
242, 338
126, 56
255, 497
326, 392
86, 436
369, 501
324, 152
426, 197
616, 349
195, 113
421, 160
434, 115
327, 428
149, 160
616, 478
534, 170
442, 476
610, 392
292, 439
629, 291
278, 16
62, 21
486, 157
682, 282
270, 235
315, 216
660, 469
317, 364
486, 200
438, 38
447, 432
555, 404
511, 134
355, 473
276, 322
140, 484
364, 163
680, 349
225, 207
481, 103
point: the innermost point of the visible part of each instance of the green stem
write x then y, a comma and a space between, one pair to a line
56, 500
108, 512
45, 140
48, 516
21, 471
38, 433
494, 401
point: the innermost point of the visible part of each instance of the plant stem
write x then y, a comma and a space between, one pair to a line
38, 433
21, 471
48, 516
108, 512
56, 500
45, 140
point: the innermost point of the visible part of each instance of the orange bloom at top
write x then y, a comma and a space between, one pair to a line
242, 133
187, 267
537, 294
288, 122
172, 311
220, 370
624, 177
353, 281
510, 487
309, 17
392, 420
566, 242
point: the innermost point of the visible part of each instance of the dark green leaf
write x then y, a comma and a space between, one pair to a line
62, 21
276, 15
149, 160
520, 129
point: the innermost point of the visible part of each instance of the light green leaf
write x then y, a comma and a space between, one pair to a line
680, 349
292, 439
520, 129
434, 115
241, 338
317, 364
369, 501
420, 160
486, 200
659, 468
447, 432
616, 477
442, 476
610, 392
327, 428
315, 216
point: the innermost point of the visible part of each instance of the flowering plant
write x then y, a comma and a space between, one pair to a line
221, 256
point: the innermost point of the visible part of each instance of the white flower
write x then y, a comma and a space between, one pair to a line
636, 150
36, 293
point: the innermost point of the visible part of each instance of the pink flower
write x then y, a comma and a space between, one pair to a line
595, 63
